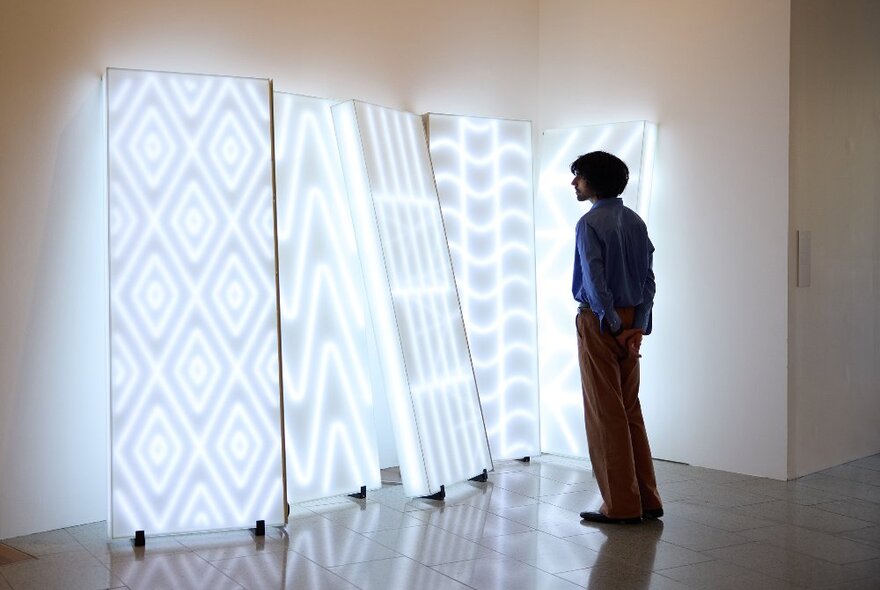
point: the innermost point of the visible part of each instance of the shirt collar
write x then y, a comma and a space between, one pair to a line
616, 201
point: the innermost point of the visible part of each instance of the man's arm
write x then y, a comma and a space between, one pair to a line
642, 318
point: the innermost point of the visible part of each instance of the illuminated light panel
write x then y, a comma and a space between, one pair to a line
483, 169
557, 211
195, 402
415, 314
328, 404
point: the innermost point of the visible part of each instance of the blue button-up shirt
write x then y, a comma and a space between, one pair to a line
613, 264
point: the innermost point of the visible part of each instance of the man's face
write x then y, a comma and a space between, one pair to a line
581, 188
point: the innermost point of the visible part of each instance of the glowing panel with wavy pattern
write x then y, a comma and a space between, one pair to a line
328, 406
557, 211
483, 169
195, 424
414, 306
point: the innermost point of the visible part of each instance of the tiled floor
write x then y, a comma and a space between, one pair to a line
519, 530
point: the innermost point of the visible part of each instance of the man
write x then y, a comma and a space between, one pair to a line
614, 285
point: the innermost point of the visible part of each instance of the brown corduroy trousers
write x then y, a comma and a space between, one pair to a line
616, 435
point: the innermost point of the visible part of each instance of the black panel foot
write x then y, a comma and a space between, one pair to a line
482, 477
260, 529
361, 495
140, 539
525, 459
440, 496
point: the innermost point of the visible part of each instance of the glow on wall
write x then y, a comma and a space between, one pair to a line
483, 169
328, 406
557, 211
195, 403
420, 338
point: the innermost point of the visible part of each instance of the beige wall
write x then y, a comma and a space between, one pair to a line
834, 325
714, 76
458, 56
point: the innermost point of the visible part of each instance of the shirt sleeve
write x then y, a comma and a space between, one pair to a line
593, 265
642, 318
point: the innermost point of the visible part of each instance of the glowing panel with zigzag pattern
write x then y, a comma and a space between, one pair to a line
328, 406
483, 169
195, 424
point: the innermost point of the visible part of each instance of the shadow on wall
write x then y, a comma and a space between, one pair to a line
54, 461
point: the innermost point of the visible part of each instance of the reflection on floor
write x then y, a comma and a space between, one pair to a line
519, 530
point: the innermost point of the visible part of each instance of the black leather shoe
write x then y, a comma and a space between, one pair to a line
601, 518
652, 514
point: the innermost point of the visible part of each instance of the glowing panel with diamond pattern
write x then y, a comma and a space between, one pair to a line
328, 406
483, 169
195, 424
557, 211
415, 313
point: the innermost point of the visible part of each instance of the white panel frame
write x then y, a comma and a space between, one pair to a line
557, 211
195, 398
328, 400
415, 313
483, 169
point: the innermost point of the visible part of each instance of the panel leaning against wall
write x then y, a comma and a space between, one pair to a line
328, 405
195, 401
483, 169
415, 313
557, 211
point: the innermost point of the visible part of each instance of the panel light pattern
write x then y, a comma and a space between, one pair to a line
483, 169
557, 211
195, 403
328, 406
415, 313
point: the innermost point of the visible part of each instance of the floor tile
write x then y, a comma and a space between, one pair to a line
872, 462
547, 518
336, 545
720, 575
72, 570
470, 522
795, 568
698, 537
368, 517
280, 571
808, 517
603, 577
815, 544
869, 535
178, 571
855, 473
12, 555
723, 496
429, 545
48, 543
494, 499
725, 520
846, 487
229, 544
858, 509
503, 573
576, 502
400, 572
543, 551
790, 491
644, 551
535, 486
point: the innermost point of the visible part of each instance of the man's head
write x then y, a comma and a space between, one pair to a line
599, 175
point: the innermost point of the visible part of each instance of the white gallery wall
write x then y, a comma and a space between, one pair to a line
478, 58
834, 322
714, 370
